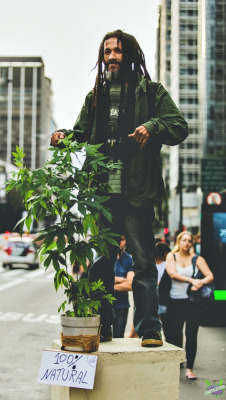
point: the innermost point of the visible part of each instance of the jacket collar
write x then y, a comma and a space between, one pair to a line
142, 82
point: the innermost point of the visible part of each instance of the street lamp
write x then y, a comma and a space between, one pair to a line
179, 191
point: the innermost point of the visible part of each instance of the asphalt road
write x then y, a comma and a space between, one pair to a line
29, 322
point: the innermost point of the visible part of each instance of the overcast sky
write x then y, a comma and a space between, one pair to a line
67, 34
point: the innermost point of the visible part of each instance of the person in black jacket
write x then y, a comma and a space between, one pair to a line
131, 117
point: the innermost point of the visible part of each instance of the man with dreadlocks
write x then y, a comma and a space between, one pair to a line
131, 117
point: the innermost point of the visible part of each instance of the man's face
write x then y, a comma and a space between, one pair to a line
112, 54
122, 243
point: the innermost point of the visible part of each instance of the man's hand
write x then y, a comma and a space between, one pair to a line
55, 138
124, 284
141, 135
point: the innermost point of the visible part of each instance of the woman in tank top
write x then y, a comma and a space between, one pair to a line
180, 310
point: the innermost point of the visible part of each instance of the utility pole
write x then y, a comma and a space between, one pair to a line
179, 191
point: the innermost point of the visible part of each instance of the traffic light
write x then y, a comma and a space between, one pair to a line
166, 231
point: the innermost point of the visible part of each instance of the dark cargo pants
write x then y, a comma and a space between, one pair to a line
136, 224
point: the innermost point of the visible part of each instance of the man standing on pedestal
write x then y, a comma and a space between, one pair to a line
132, 117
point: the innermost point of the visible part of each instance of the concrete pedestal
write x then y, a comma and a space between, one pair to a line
127, 371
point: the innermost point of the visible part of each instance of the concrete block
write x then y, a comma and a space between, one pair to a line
127, 371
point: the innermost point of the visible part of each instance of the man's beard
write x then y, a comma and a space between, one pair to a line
113, 76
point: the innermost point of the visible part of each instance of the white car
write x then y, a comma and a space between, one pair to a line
19, 251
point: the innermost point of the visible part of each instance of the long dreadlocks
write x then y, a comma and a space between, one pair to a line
133, 63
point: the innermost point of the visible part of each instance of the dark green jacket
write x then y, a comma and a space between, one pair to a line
155, 109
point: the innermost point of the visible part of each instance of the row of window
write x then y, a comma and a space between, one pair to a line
189, 160
188, 42
190, 115
185, 86
16, 118
26, 146
189, 145
3, 132
4, 73
193, 131
188, 13
188, 71
189, 56
190, 177
189, 100
189, 27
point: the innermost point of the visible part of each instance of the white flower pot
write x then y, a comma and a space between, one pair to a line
75, 326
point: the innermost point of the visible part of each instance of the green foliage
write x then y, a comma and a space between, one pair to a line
86, 297
77, 196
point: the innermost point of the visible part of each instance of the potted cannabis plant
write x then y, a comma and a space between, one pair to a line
73, 195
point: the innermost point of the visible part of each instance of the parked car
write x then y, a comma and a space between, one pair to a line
19, 251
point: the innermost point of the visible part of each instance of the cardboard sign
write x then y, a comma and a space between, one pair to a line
68, 369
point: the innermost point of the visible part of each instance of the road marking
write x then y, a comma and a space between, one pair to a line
24, 272
11, 273
11, 284
34, 274
26, 276
12, 316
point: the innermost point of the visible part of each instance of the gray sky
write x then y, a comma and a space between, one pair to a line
67, 34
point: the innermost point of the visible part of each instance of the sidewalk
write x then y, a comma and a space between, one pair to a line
210, 362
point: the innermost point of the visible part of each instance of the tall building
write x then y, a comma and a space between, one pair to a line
25, 109
212, 76
191, 65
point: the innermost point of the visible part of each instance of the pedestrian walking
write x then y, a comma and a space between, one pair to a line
180, 310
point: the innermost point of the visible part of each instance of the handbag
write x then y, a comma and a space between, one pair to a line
164, 289
203, 295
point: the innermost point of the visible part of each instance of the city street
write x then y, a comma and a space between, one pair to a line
29, 323
113, 134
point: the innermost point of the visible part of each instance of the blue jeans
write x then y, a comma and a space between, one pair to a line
119, 323
136, 224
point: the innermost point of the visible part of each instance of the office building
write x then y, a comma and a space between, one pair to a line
190, 63
25, 109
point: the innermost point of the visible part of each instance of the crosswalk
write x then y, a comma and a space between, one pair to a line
11, 278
